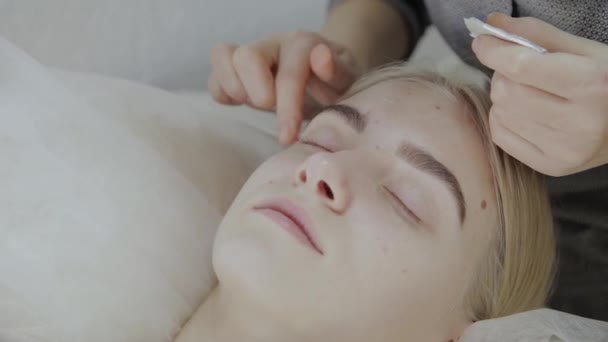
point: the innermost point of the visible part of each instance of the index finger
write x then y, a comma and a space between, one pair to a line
557, 73
292, 75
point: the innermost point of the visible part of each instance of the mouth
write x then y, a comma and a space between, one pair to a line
293, 219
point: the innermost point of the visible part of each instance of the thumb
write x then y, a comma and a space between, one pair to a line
544, 34
333, 66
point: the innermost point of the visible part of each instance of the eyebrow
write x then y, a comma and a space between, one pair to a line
351, 115
412, 154
424, 161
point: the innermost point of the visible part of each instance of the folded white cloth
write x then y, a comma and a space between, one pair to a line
542, 325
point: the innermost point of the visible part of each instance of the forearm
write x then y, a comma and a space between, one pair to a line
371, 29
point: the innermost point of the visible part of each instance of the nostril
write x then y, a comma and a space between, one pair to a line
325, 190
302, 176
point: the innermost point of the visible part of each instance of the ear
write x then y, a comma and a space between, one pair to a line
459, 329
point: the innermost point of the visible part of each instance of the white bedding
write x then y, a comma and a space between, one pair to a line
110, 193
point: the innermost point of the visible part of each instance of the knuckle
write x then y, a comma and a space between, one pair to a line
574, 158
263, 98
216, 95
264, 101
519, 65
570, 161
562, 162
244, 55
499, 91
497, 115
221, 49
602, 81
235, 90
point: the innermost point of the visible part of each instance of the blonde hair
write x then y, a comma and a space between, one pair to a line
519, 268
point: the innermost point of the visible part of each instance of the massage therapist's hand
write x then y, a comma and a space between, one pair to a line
549, 110
291, 73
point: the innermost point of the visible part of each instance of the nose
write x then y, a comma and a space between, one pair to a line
325, 178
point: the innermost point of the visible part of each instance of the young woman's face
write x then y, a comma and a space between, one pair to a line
370, 227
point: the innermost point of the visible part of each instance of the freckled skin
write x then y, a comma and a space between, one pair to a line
483, 204
409, 279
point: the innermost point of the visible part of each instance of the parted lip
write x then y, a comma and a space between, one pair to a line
297, 215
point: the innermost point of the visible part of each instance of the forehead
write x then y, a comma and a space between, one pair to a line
398, 109
433, 119
406, 102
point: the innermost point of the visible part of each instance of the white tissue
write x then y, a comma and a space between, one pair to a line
477, 27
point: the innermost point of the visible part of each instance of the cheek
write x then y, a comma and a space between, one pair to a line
382, 246
279, 169
406, 273
408, 257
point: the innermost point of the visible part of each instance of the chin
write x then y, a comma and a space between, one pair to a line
254, 259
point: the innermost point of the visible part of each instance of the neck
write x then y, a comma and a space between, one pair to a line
223, 318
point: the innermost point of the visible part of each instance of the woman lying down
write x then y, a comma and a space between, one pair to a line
393, 219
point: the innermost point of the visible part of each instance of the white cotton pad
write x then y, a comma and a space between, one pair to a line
477, 27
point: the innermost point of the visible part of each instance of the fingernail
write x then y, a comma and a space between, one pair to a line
495, 18
493, 15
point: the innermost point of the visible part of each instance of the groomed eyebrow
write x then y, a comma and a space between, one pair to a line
424, 161
350, 114
410, 153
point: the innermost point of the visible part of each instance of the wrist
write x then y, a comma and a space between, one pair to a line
372, 31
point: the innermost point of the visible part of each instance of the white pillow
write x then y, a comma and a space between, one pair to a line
110, 196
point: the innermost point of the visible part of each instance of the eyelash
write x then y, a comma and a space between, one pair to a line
403, 206
394, 197
315, 144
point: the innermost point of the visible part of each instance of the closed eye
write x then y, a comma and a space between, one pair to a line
402, 206
315, 144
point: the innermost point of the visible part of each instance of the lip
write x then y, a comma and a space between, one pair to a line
293, 218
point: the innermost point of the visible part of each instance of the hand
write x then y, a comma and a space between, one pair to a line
278, 72
550, 110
